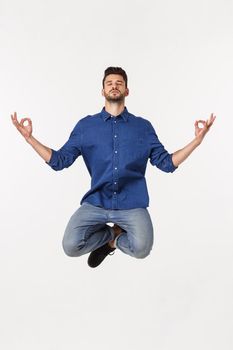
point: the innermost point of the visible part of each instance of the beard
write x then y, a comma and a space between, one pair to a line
119, 97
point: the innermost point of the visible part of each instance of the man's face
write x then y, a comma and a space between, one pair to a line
114, 88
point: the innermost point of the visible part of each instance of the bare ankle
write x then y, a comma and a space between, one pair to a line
111, 244
117, 231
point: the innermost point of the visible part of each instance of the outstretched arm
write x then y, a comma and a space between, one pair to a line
179, 156
57, 160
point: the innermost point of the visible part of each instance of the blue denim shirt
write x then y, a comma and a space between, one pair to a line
116, 151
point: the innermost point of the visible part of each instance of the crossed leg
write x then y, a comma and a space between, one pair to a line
87, 230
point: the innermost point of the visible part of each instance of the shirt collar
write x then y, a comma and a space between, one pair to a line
105, 115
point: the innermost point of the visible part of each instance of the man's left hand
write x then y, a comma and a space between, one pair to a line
201, 132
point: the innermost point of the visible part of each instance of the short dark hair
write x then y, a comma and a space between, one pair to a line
115, 70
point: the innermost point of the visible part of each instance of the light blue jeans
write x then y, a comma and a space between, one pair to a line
87, 230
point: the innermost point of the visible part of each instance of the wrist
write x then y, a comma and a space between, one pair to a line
198, 140
29, 139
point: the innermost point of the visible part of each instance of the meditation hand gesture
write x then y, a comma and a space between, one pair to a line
201, 132
25, 130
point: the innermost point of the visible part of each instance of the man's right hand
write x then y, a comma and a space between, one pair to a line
25, 130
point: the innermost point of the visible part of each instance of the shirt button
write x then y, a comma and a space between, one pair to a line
114, 192
115, 183
115, 151
115, 167
115, 135
115, 121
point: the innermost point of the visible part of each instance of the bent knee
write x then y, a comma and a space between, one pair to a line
140, 253
71, 249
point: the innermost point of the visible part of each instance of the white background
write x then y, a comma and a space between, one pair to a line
178, 56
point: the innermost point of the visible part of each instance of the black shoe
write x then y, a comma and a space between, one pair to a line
97, 256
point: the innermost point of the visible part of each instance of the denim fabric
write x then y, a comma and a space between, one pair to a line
87, 230
115, 151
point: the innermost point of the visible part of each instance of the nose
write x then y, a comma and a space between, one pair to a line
114, 85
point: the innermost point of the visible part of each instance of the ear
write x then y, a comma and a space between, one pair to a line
102, 92
126, 92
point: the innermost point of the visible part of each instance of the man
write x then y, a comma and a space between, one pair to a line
115, 146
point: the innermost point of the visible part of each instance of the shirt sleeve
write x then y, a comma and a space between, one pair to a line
69, 152
159, 156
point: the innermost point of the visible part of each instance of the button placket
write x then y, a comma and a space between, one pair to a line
115, 161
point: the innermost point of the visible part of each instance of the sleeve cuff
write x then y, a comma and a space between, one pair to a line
53, 160
173, 167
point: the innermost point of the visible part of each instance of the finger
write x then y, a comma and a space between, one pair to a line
14, 117
23, 120
14, 120
211, 122
212, 117
203, 122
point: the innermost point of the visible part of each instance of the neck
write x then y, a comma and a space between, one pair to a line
114, 108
